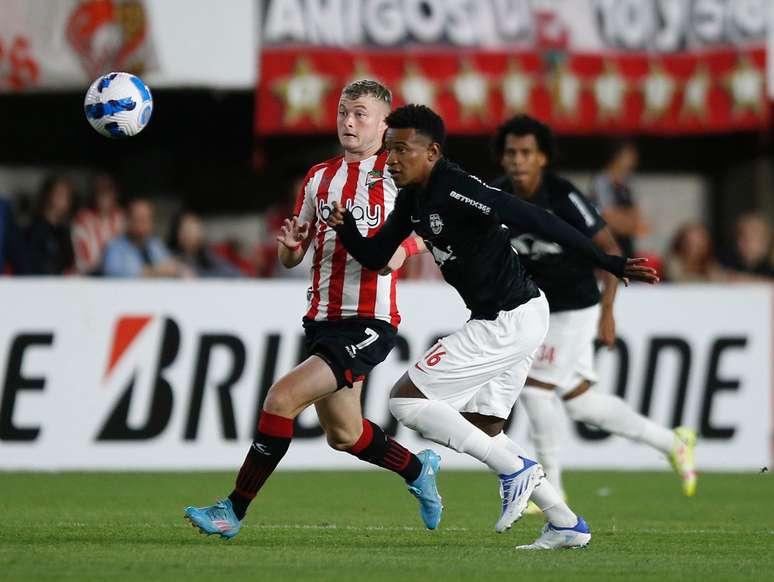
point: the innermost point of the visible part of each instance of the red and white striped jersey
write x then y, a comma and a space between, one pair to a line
341, 287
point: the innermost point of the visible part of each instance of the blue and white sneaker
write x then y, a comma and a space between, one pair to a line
218, 519
425, 489
515, 491
554, 538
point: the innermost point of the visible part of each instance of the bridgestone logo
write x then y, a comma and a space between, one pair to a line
470, 202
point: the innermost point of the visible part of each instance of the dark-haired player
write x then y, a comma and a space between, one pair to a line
350, 324
480, 369
565, 362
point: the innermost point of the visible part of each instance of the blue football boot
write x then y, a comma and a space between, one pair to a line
425, 489
218, 519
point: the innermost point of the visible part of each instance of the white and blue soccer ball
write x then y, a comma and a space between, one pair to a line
118, 105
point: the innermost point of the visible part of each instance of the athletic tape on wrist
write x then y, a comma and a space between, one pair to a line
410, 246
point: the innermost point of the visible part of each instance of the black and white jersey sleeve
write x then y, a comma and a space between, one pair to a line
461, 221
523, 216
570, 205
566, 276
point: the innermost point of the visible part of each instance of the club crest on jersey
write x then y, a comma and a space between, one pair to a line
436, 224
373, 178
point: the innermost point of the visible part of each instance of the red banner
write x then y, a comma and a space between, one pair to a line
474, 90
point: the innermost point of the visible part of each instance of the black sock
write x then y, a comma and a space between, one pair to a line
377, 448
274, 436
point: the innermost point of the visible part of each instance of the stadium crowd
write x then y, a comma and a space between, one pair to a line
100, 235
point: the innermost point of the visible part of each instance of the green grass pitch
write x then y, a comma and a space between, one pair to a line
364, 526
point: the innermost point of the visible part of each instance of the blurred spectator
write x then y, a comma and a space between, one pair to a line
48, 243
612, 193
97, 224
186, 241
750, 258
232, 251
691, 256
12, 255
138, 253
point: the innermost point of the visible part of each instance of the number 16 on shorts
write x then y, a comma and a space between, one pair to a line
432, 356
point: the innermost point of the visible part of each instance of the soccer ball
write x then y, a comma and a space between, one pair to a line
118, 105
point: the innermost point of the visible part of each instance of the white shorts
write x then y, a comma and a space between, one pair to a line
483, 366
566, 357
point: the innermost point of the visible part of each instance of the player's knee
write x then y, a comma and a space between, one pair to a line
341, 438
279, 401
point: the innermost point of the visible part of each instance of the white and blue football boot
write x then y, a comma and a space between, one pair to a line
555, 538
218, 519
515, 491
425, 489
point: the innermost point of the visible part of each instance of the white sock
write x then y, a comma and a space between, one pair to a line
616, 416
546, 496
439, 422
545, 421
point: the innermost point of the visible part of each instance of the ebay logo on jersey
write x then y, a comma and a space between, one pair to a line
371, 216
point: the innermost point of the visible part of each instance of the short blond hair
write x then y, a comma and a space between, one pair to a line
362, 87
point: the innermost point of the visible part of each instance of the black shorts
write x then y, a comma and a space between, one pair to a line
351, 347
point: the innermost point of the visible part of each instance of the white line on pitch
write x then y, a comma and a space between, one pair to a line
347, 527
326, 526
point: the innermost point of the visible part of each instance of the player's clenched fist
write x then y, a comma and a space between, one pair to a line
336, 216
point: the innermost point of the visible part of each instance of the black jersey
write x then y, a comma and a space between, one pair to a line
565, 275
461, 220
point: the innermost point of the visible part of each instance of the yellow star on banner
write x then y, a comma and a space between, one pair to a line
416, 88
746, 85
303, 93
695, 93
658, 90
565, 88
516, 87
471, 89
609, 91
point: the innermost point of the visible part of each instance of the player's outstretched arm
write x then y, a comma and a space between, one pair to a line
371, 252
525, 215
521, 215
